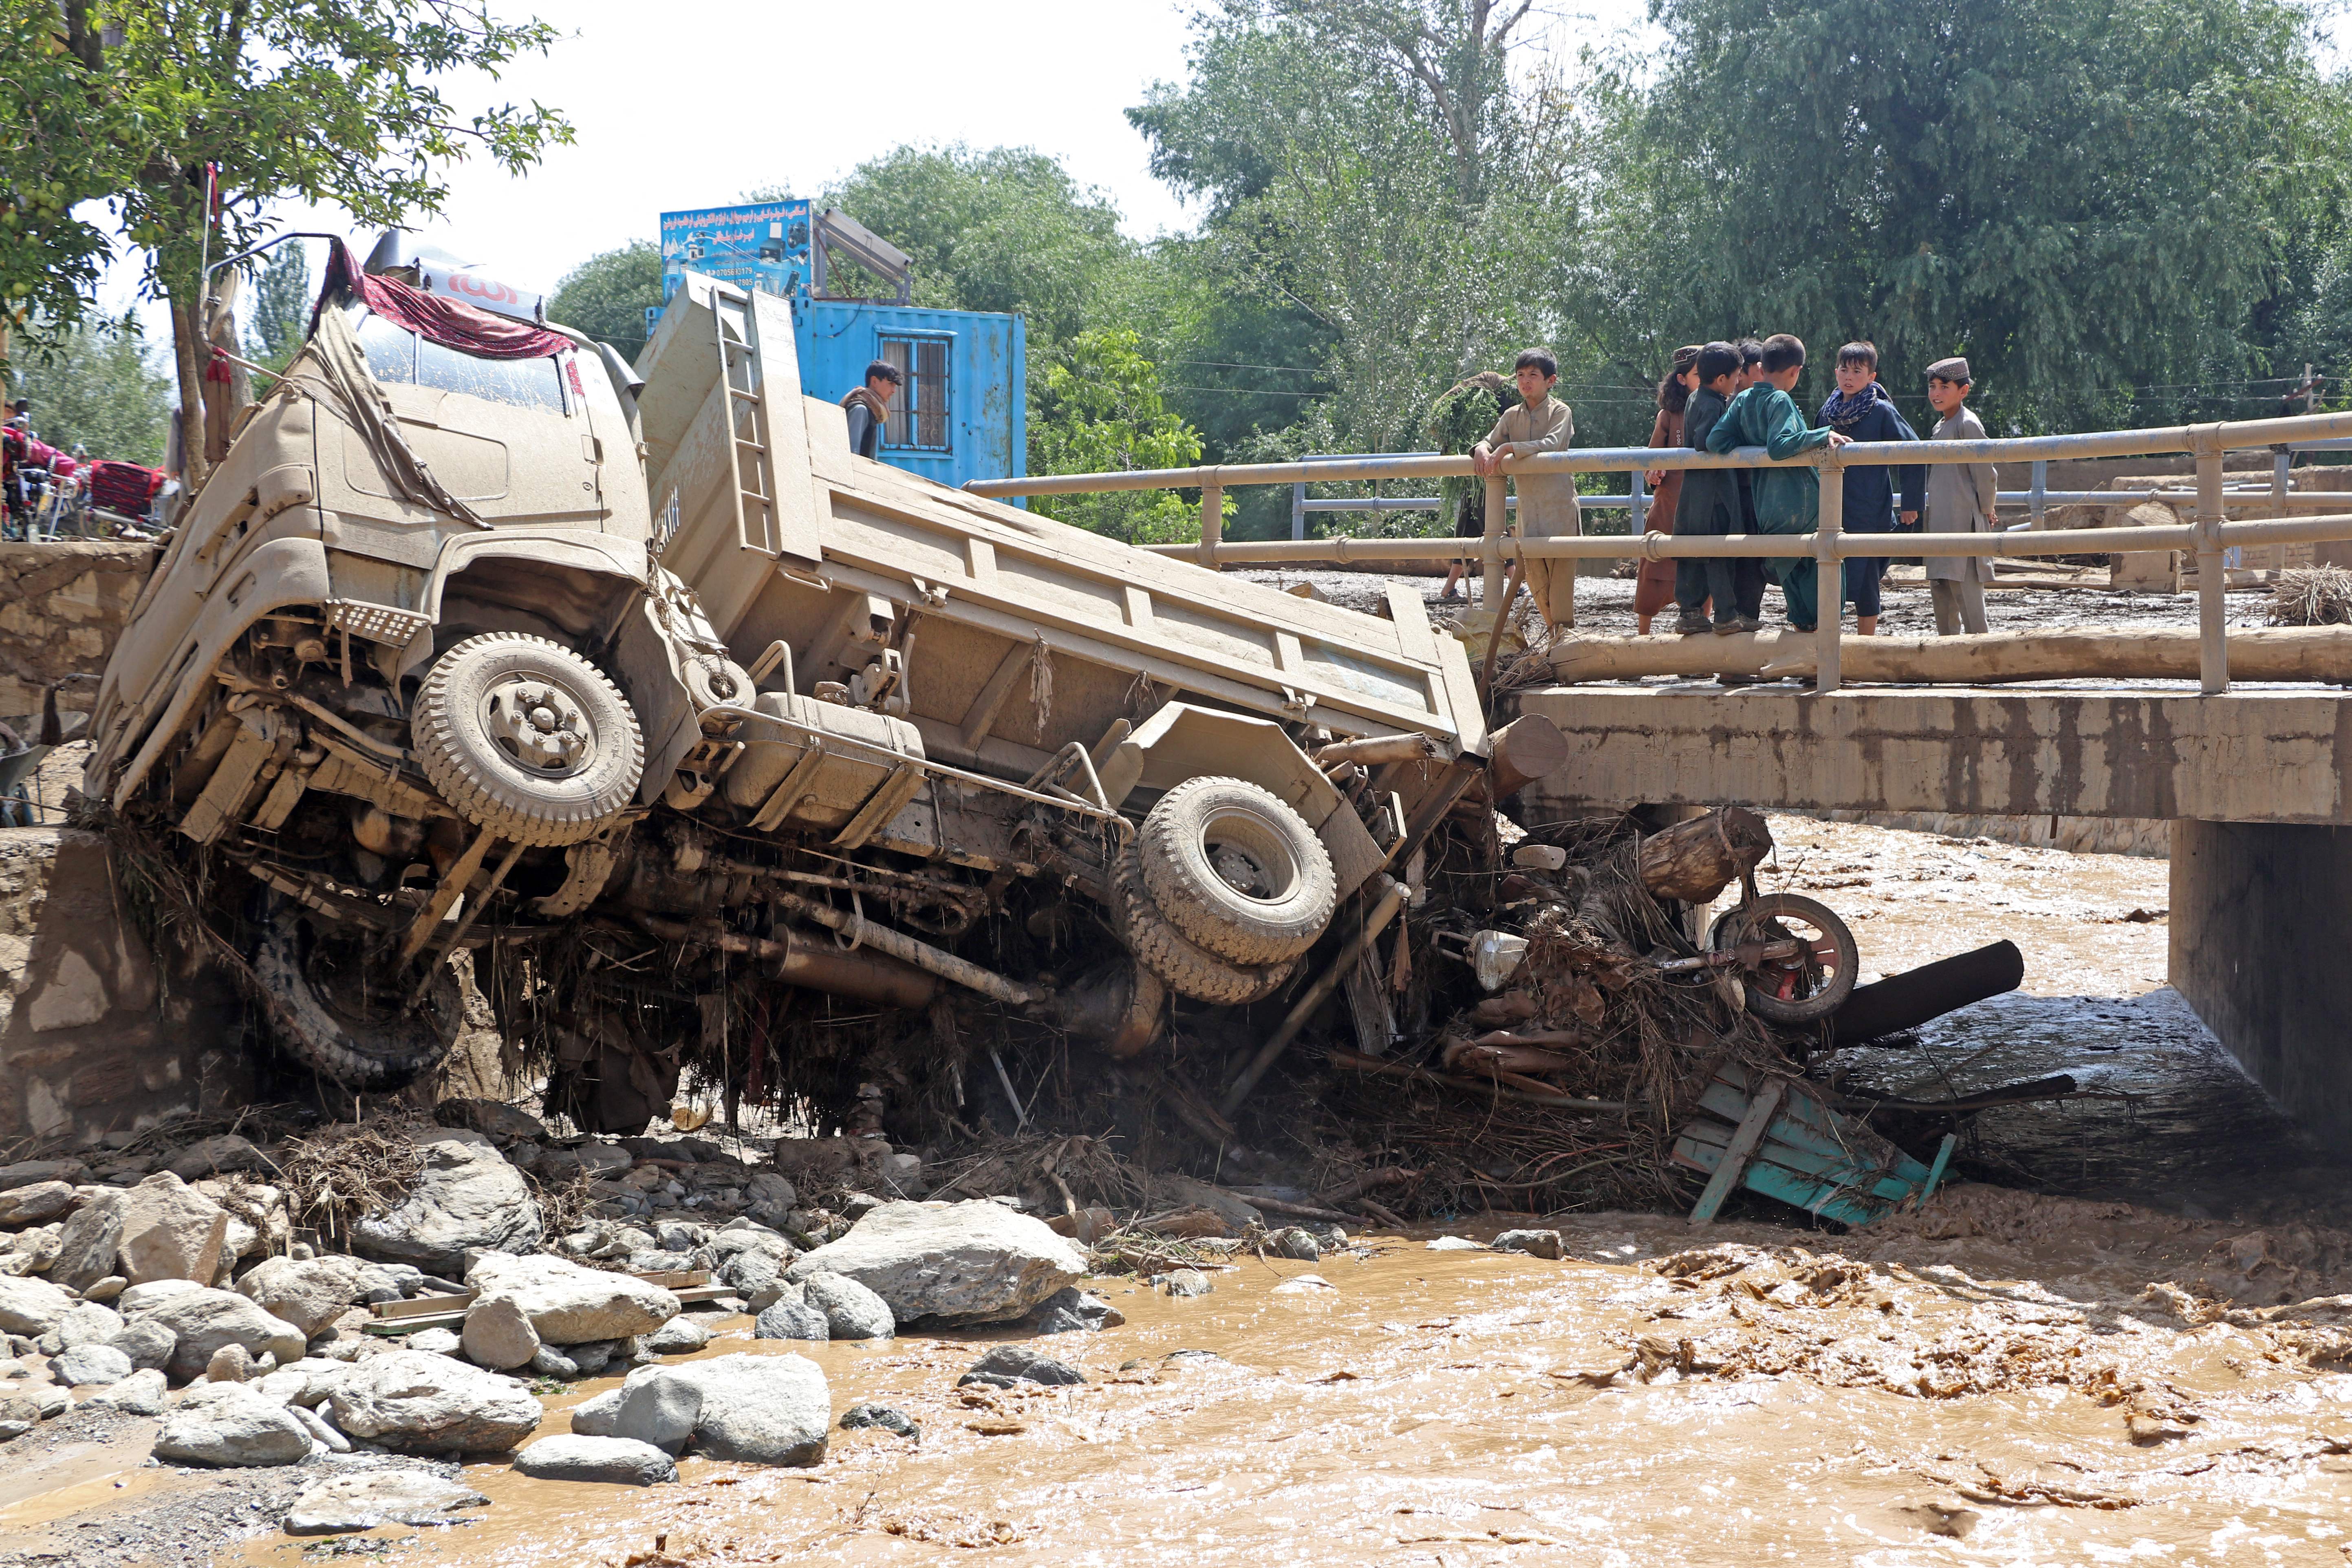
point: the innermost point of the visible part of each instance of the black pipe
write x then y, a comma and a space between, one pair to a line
1908, 1000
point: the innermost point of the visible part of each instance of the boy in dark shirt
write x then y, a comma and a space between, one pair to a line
1714, 502
1787, 500
1860, 408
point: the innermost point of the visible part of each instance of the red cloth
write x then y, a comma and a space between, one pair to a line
446, 321
124, 486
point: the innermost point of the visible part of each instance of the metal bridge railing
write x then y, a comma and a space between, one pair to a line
2208, 536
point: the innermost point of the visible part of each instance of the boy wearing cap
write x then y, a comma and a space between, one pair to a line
1787, 500
1962, 497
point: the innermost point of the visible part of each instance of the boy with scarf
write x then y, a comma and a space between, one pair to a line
1787, 500
1861, 410
1714, 501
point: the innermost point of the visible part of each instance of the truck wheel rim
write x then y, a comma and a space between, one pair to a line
1249, 855
540, 726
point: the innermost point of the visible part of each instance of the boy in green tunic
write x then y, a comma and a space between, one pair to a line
1787, 500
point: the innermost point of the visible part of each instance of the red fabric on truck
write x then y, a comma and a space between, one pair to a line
446, 321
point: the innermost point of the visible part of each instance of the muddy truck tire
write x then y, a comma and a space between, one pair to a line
1236, 871
333, 1006
527, 739
1186, 968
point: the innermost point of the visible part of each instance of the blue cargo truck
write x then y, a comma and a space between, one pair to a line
962, 411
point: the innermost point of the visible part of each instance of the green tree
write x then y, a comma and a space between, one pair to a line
1102, 412
1000, 228
96, 383
290, 100
606, 295
281, 307
1372, 167
2083, 196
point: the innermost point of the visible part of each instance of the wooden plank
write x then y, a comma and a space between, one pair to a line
426, 1305
1735, 1160
1415, 640
1830, 1172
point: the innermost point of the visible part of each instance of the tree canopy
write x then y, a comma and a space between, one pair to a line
130, 101
2093, 199
96, 383
607, 295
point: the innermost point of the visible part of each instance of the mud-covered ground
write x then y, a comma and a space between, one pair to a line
2146, 1360
2008, 1380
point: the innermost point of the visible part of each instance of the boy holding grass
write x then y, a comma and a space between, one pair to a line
1787, 500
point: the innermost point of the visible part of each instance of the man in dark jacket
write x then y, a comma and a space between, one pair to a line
869, 407
1714, 501
1860, 408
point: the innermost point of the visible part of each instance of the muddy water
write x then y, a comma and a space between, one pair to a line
1469, 1408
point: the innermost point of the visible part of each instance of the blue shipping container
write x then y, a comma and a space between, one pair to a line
962, 407
962, 412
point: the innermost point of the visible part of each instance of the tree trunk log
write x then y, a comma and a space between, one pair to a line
2148, 653
1697, 860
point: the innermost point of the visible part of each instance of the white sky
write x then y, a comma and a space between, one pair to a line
693, 102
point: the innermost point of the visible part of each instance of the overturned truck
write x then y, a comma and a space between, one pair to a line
635, 687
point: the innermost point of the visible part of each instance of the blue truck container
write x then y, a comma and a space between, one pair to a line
962, 410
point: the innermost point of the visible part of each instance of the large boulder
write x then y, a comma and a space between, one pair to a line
202, 1321
568, 1303
28, 1172
31, 1306
90, 1242
465, 1198
499, 1334
616, 1460
851, 1310
171, 1232
312, 1292
87, 1324
143, 1393
760, 1409
211, 1156
346, 1503
83, 1366
228, 1424
975, 1262
413, 1403
36, 1204
148, 1343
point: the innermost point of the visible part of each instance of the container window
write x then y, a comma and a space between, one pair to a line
920, 422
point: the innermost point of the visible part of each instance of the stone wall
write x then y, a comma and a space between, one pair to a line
62, 607
95, 1035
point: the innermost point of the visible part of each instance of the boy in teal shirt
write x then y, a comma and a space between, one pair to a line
1787, 500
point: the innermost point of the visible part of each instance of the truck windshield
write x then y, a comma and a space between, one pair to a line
396, 353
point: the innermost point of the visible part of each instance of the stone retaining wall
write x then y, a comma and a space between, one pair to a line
62, 607
95, 1036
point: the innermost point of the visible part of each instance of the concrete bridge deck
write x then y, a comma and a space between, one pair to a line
2253, 781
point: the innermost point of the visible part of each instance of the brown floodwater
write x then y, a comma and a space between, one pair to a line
1936, 1394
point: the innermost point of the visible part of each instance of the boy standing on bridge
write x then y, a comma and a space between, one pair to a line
1961, 498
1787, 500
1713, 502
1548, 506
1860, 409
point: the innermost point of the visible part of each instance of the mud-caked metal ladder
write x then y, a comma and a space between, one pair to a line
737, 333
